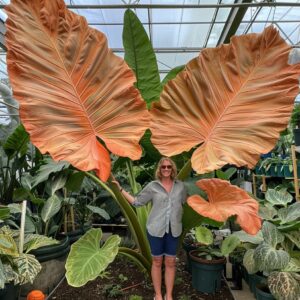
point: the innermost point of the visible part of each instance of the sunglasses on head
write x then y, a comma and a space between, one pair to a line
169, 167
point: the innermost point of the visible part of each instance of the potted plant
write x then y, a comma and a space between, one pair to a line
208, 259
277, 255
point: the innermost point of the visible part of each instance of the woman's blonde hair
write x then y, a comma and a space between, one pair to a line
174, 168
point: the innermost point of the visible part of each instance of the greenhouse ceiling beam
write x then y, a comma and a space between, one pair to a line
234, 19
168, 6
192, 23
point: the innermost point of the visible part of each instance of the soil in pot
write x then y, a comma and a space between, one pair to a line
127, 280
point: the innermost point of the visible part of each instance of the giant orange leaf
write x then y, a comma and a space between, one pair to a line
225, 200
231, 102
72, 89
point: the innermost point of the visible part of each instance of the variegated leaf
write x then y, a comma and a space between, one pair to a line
284, 286
249, 262
269, 259
267, 213
244, 237
35, 241
294, 236
271, 234
8, 245
293, 265
290, 213
278, 197
2, 276
28, 267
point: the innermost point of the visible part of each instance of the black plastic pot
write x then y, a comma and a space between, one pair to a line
187, 246
255, 279
297, 136
10, 292
263, 292
206, 274
75, 235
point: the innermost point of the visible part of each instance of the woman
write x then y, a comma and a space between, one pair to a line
164, 224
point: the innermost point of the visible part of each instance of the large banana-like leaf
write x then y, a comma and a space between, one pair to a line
140, 57
87, 260
231, 102
72, 89
226, 200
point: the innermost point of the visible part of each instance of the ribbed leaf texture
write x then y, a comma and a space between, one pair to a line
231, 102
72, 89
225, 200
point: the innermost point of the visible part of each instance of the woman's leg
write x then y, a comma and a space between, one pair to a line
170, 270
156, 276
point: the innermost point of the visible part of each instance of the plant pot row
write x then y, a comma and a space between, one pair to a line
277, 171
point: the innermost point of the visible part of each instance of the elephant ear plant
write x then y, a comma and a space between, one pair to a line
79, 103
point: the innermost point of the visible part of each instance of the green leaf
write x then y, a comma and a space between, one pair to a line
96, 259
284, 286
267, 212
229, 244
4, 213
97, 210
293, 265
147, 145
74, 182
8, 245
135, 257
172, 74
269, 259
244, 237
278, 197
17, 142
35, 241
294, 236
290, 213
140, 56
271, 234
204, 235
249, 262
26, 181
51, 207
28, 268
49, 167
57, 183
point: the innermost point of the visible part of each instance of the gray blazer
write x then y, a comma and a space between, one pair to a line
166, 207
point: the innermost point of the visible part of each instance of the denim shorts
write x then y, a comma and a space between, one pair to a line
166, 245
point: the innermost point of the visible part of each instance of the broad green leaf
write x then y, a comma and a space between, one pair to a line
97, 210
140, 56
35, 241
96, 258
136, 257
150, 150
229, 244
284, 286
49, 167
57, 183
10, 274
172, 74
74, 182
204, 235
289, 226
267, 212
17, 143
269, 259
51, 207
249, 262
15, 208
8, 245
290, 213
27, 181
29, 225
271, 234
293, 265
244, 237
28, 267
278, 197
